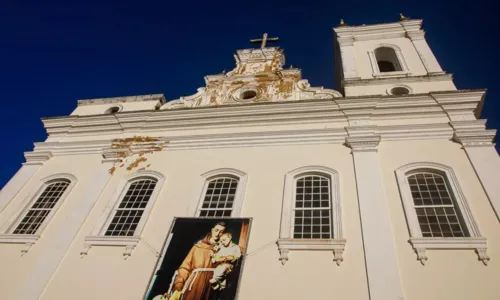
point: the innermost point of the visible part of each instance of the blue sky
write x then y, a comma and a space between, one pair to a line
54, 53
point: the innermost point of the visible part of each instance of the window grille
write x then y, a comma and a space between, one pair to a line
219, 197
131, 208
312, 209
437, 213
42, 207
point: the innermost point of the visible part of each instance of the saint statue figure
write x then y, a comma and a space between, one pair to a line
193, 276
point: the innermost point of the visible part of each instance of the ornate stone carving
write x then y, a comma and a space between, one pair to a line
288, 244
129, 242
422, 244
483, 255
128, 251
421, 255
85, 250
28, 240
26, 247
337, 256
260, 70
283, 256
308, 92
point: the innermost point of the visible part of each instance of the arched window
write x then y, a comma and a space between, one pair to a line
387, 60
311, 216
219, 196
127, 215
437, 212
312, 208
43, 206
435, 206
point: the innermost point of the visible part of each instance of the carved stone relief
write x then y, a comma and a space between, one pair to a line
258, 77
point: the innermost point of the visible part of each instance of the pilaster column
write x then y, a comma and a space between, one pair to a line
54, 252
485, 161
34, 160
348, 57
380, 255
424, 51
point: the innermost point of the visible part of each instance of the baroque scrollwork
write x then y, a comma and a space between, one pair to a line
260, 70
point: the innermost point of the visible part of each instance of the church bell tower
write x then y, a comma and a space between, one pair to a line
387, 59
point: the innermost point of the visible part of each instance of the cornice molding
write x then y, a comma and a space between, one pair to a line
475, 138
363, 143
244, 123
254, 138
361, 131
311, 111
114, 155
37, 158
139, 98
379, 31
469, 125
296, 112
462, 105
415, 35
446, 97
404, 78
415, 132
346, 41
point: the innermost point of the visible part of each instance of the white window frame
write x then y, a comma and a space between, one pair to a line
7, 235
240, 190
419, 243
400, 57
97, 237
286, 242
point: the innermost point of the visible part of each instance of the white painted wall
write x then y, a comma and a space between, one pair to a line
410, 55
103, 273
383, 88
49, 249
448, 274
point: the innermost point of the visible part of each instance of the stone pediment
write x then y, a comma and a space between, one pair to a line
257, 77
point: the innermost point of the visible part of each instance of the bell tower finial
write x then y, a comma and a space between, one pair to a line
403, 17
264, 40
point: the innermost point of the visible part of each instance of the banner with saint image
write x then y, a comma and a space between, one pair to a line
201, 260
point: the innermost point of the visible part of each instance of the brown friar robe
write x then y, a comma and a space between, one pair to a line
198, 257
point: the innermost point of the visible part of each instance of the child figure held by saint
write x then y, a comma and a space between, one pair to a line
225, 254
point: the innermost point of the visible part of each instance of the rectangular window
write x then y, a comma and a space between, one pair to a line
312, 211
435, 207
219, 197
129, 212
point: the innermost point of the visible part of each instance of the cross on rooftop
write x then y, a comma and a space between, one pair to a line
264, 40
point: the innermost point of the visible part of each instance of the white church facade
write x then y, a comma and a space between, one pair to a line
385, 189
